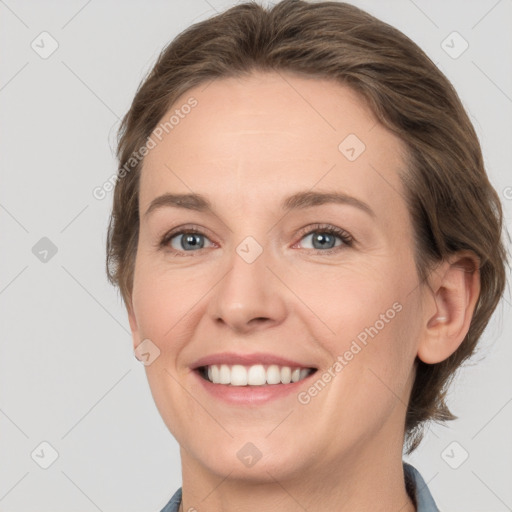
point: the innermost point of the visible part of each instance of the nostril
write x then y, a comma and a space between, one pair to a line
260, 319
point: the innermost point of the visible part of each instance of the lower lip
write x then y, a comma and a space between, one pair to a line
250, 395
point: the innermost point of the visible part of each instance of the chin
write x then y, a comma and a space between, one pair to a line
259, 460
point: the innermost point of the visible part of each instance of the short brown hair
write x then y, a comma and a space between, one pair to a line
452, 204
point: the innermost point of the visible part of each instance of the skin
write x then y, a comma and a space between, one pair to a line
248, 144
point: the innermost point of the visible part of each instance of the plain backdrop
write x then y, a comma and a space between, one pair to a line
68, 377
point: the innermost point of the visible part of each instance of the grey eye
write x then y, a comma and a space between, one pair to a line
188, 241
322, 240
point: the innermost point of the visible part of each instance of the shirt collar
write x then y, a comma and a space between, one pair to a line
418, 490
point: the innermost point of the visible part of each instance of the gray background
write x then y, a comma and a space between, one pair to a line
67, 372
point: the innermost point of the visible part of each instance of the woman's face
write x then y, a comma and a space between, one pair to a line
298, 254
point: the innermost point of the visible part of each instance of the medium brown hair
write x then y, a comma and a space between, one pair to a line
452, 204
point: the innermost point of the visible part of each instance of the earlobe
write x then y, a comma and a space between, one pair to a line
455, 288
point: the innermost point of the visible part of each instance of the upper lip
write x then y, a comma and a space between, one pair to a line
247, 360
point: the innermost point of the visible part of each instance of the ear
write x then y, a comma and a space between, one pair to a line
454, 288
133, 324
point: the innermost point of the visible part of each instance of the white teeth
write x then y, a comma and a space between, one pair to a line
215, 374
238, 375
286, 375
304, 372
255, 375
225, 374
273, 374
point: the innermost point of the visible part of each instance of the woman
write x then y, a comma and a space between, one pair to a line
308, 247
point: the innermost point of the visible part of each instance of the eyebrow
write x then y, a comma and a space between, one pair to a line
297, 201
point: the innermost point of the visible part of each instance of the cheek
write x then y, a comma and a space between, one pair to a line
163, 301
372, 317
165, 304
376, 357
349, 300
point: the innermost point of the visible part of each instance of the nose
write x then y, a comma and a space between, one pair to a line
249, 297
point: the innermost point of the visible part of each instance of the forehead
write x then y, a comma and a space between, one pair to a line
260, 134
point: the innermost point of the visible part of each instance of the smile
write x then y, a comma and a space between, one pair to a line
254, 375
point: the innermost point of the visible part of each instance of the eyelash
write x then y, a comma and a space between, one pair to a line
345, 237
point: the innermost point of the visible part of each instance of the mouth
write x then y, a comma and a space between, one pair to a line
237, 375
